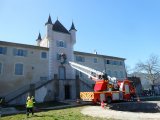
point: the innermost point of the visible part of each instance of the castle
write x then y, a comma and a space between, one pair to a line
43, 70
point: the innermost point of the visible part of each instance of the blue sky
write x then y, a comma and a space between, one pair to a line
123, 28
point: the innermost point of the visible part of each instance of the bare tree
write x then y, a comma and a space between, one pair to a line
151, 68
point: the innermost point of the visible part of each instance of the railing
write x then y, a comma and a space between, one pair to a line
23, 90
89, 87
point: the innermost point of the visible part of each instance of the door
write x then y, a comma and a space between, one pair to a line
62, 74
67, 91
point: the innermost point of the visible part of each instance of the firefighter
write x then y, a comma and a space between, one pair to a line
29, 106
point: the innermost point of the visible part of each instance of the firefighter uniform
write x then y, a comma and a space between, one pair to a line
29, 106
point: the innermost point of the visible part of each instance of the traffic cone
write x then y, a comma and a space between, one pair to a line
138, 99
102, 104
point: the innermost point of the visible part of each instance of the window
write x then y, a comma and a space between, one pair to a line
43, 55
121, 74
19, 52
111, 62
0, 68
61, 44
95, 60
120, 63
115, 74
58, 56
18, 69
107, 61
114, 62
80, 59
3, 50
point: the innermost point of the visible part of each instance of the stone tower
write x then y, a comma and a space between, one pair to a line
60, 42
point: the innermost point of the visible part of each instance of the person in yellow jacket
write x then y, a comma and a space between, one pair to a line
29, 106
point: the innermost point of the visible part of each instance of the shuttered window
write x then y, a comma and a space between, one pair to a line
43, 55
18, 69
19, 52
3, 50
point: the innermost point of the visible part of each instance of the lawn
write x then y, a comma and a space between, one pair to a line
61, 114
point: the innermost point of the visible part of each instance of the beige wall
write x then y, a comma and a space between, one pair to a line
100, 65
34, 67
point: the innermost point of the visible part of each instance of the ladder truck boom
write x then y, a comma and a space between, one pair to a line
94, 74
101, 79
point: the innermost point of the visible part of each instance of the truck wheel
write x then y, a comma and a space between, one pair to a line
109, 100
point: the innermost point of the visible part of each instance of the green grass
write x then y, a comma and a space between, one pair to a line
61, 114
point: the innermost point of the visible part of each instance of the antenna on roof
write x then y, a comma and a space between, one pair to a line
95, 52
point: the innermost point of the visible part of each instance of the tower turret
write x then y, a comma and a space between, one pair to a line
73, 33
49, 25
39, 39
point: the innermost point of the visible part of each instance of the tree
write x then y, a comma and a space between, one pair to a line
151, 68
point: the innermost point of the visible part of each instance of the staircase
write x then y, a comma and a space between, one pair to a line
25, 89
86, 86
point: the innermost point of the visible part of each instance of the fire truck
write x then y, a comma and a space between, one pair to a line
106, 88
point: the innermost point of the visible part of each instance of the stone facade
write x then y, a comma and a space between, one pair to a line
48, 61
34, 67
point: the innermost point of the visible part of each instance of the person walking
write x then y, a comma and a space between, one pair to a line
29, 106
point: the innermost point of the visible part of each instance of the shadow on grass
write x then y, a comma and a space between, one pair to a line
38, 105
43, 107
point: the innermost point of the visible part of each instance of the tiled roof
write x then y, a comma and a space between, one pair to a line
22, 45
98, 55
57, 26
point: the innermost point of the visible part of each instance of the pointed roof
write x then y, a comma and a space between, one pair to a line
72, 27
57, 26
39, 37
49, 20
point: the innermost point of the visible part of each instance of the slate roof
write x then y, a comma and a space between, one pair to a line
57, 26
39, 37
72, 27
49, 20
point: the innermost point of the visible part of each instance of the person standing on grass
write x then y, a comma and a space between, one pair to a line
29, 106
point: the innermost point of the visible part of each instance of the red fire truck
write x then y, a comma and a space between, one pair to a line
106, 89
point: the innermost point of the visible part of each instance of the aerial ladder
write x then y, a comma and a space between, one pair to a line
106, 88
101, 79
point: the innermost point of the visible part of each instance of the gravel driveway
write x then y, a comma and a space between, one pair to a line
97, 111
